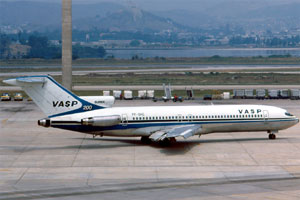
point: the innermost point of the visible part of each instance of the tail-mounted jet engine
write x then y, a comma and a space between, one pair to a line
102, 120
44, 122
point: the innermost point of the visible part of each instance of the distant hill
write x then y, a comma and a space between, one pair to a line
41, 15
103, 16
245, 13
256, 14
130, 20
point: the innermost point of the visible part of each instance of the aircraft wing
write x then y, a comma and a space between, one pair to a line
185, 131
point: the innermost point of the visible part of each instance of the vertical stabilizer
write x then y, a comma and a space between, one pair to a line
52, 98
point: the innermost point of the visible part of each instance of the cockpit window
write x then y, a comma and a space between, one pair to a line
288, 114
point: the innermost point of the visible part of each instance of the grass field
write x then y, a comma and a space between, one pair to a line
187, 78
165, 61
213, 78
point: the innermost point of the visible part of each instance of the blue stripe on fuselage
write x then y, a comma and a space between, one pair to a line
84, 128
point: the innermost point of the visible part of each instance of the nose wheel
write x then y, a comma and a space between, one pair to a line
272, 135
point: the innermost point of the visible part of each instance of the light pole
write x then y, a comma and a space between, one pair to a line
67, 44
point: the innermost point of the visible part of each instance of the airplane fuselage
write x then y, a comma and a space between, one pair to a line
143, 121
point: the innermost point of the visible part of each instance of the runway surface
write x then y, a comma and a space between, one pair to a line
47, 163
147, 68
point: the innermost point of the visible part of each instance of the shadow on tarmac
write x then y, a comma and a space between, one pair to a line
177, 148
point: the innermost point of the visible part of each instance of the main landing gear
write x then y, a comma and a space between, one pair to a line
145, 140
167, 142
272, 135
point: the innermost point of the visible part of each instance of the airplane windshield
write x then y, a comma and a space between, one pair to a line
288, 114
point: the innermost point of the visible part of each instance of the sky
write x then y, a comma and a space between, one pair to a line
159, 5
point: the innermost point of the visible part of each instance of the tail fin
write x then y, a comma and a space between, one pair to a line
52, 98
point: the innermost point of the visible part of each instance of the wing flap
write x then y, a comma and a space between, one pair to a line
183, 131
156, 136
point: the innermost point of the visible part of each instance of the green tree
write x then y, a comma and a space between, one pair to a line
135, 43
4, 45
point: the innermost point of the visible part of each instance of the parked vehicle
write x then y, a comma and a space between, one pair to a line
273, 94
249, 94
295, 94
284, 94
260, 94
150, 94
128, 95
117, 94
5, 97
18, 97
238, 94
177, 98
142, 94
106, 93
207, 97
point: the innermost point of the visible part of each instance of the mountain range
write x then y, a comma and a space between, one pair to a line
41, 15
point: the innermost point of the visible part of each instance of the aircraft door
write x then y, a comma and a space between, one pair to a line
124, 119
266, 115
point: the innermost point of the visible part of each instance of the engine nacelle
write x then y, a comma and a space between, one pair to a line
44, 122
102, 120
106, 101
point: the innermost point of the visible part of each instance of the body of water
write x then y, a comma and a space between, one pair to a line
200, 52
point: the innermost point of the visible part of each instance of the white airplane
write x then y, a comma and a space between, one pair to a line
67, 111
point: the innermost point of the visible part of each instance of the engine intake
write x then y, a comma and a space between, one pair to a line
44, 122
102, 120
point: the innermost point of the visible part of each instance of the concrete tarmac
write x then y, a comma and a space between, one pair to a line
47, 163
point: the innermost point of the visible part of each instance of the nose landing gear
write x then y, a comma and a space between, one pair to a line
272, 135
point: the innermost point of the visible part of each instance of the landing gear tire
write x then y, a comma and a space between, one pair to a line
167, 142
145, 140
272, 136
